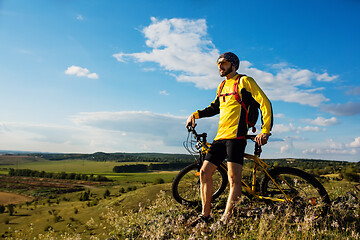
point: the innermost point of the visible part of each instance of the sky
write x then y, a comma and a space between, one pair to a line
87, 76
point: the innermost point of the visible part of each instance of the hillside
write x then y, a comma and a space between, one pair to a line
151, 213
139, 205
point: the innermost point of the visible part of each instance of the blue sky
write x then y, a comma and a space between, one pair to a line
87, 76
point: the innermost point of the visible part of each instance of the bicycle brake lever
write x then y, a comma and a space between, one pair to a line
191, 128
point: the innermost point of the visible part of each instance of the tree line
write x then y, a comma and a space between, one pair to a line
346, 170
130, 168
117, 157
61, 175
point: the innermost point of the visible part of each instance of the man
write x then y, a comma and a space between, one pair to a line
230, 140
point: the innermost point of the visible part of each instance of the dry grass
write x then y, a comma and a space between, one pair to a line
12, 198
163, 218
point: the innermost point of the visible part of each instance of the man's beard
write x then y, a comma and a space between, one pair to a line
226, 72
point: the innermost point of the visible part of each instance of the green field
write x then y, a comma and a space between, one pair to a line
75, 166
93, 167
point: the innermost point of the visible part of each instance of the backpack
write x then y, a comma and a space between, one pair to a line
247, 102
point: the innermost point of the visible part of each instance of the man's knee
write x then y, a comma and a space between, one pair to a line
205, 175
206, 172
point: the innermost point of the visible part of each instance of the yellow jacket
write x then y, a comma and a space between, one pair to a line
232, 123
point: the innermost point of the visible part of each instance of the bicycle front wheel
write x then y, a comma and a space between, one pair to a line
307, 195
186, 185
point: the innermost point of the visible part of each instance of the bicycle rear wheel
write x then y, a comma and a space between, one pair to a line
186, 185
308, 195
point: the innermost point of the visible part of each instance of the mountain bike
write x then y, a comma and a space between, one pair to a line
278, 185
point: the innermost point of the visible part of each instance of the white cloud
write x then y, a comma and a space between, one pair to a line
279, 115
346, 109
309, 129
161, 132
42, 137
164, 92
325, 77
330, 152
354, 91
164, 128
79, 17
183, 47
287, 145
282, 128
320, 121
355, 143
139, 131
93, 132
331, 148
80, 72
287, 84
130, 131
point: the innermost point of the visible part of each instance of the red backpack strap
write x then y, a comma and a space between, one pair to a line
237, 97
236, 94
220, 90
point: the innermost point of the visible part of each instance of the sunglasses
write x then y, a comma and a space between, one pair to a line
221, 62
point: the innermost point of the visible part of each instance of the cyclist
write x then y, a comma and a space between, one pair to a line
230, 140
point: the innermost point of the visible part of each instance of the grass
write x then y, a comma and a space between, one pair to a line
70, 216
151, 213
165, 219
148, 211
35, 216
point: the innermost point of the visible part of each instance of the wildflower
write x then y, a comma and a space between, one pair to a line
271, 216
335, 224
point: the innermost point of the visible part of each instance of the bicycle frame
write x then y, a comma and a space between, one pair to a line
251, 189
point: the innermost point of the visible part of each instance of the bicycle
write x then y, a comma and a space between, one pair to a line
279, 184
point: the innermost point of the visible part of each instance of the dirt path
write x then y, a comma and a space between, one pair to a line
7, 198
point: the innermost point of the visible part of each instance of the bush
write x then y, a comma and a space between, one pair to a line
2, 209
11, 209
351, 177
84, 196
58, 218
106, 193
159, 181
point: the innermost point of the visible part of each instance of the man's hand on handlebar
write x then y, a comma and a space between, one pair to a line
190, 121
262, 138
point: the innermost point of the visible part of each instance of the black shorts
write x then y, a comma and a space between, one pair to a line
233, 149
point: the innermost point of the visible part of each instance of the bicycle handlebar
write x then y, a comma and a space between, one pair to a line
202, 138
196, 135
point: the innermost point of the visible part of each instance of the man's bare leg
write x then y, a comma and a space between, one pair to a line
234, 176
206, 186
